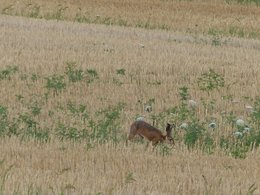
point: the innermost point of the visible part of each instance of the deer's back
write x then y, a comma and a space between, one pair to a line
146, 130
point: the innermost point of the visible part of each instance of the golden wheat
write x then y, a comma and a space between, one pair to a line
172, 59
71, 168
183, 16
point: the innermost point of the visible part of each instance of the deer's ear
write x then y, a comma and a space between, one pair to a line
171, 140
171, 125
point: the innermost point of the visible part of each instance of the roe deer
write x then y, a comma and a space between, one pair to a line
151, 133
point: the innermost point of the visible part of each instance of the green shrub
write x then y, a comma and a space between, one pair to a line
193, 133
55, 83
120, 71
210, 80
91, 75
3, 120
73, 74
8, 72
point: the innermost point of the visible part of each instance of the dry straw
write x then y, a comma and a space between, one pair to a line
168, 61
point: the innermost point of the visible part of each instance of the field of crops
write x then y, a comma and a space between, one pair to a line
74, 75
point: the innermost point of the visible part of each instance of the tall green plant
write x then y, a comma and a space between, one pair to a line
56, 83
208, 81
8, 72
3, 119
73, 74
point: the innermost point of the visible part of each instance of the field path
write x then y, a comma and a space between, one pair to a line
38, 26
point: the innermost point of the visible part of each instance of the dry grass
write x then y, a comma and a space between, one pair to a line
175, 60
70, 168
197, 16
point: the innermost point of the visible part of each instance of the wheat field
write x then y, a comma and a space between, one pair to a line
200, 16
70, 168
157, 63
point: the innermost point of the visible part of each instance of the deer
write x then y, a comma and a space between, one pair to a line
151, 133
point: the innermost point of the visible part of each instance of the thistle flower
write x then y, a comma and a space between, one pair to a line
213, 125
184, 126
240, 123
148, 108
192, 103
250, 109
246, 130
140, 118
238, 134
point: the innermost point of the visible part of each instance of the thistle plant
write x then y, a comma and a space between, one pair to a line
120, 71
91, 75
56, 83
73, 74
8, 72
208, 81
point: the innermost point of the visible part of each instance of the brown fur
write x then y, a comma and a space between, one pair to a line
149, 132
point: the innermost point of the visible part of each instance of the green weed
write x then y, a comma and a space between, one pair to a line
82, 18
256, 2
73, 74
8, 10
92, 75
8, 72
120, 71
57, 14
210, 80
56, 83
34, 11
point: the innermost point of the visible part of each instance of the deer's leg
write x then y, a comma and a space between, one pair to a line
155, 142
131, 136
147, 145
132, 133
142, 137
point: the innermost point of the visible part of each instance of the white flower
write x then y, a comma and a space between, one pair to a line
213, 125
238, 134
140, 118
240, 123
250, 109
246, 130
184, 126
192, 103
148, 108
